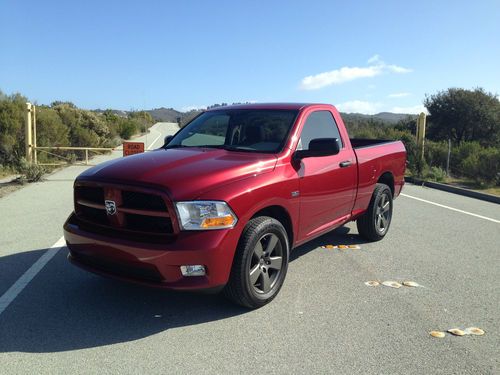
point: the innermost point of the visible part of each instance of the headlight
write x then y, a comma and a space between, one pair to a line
202, 215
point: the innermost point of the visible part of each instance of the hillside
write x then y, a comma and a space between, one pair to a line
386, 117
164, 114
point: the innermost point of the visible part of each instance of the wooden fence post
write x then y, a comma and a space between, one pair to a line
27, 133
35, 157
421, 135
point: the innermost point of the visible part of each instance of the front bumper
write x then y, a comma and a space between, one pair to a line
155, 264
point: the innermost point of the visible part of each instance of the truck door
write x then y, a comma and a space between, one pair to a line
327, 183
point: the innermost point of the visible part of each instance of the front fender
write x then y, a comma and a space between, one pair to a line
249, 196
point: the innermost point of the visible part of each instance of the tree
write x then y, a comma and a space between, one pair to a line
50, 129
12, 110
464, 115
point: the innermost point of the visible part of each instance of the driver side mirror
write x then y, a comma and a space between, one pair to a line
167, 139
319, 147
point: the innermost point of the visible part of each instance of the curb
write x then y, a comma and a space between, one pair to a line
455, 190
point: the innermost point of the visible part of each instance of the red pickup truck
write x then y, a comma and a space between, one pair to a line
224, 201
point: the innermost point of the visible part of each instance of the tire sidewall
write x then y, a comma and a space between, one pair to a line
385, 190
268, 226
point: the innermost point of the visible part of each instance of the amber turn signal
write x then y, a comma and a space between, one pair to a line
224, 221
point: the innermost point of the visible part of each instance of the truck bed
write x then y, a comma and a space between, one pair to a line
375, 157
365, 142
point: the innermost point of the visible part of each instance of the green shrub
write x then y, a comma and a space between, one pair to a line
483, 166
435, 174
127, 129
460, 153
30, 172
436, 154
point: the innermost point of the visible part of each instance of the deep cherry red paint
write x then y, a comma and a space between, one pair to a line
328, 197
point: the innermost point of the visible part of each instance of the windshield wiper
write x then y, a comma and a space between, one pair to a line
174, 146
227, 147
221, 147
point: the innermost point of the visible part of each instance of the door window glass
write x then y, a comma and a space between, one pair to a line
319, 124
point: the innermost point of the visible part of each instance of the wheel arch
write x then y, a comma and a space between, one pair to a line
387, 178
281, 214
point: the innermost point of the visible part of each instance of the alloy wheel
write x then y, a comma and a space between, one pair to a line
383, 213
266, 263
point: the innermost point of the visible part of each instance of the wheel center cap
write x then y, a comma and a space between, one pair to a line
261, 261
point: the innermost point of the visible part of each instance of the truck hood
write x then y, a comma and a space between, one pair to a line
185, 173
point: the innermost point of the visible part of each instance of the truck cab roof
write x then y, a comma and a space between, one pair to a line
284, 106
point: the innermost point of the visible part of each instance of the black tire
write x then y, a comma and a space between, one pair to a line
255, 277
375, 222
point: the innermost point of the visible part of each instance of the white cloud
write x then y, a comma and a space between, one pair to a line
359, 106
398, 95
335, 77
347, 73
415, 109
398, 69
374, 59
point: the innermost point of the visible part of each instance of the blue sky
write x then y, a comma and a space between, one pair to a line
363, 56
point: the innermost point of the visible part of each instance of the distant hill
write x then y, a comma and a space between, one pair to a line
387, 117
164, 114
117, 112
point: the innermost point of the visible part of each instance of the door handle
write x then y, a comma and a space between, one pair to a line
345, 164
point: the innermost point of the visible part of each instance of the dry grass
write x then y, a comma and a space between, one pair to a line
493, 191
472, 185
9, 187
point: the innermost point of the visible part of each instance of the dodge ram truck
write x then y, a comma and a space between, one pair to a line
222, 204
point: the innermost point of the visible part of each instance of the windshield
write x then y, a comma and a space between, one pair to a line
240, 130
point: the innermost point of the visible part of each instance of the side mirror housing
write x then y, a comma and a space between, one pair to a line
319, 147
167, 139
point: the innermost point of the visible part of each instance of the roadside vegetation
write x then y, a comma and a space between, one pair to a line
60, 124
470, 119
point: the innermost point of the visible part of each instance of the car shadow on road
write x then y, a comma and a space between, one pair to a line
339, 236
65, 308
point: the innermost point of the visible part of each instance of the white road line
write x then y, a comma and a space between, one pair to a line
451, 208
151, 145
11, 294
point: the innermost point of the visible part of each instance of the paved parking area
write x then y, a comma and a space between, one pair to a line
325, 320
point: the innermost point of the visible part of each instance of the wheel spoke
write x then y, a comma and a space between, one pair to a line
384, 221
382, 201
276, 263
266, 282
273, 240
258, 250
378, 220
385, 207
254, 274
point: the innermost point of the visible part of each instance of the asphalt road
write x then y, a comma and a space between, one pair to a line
325, 320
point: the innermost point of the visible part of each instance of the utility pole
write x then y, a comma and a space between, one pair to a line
27, 133
448, 158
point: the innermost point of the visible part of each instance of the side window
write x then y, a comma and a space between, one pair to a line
319, 124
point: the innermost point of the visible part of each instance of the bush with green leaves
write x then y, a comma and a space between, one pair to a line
30, 172
434, 174
436, 153
483, 166
127, 129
